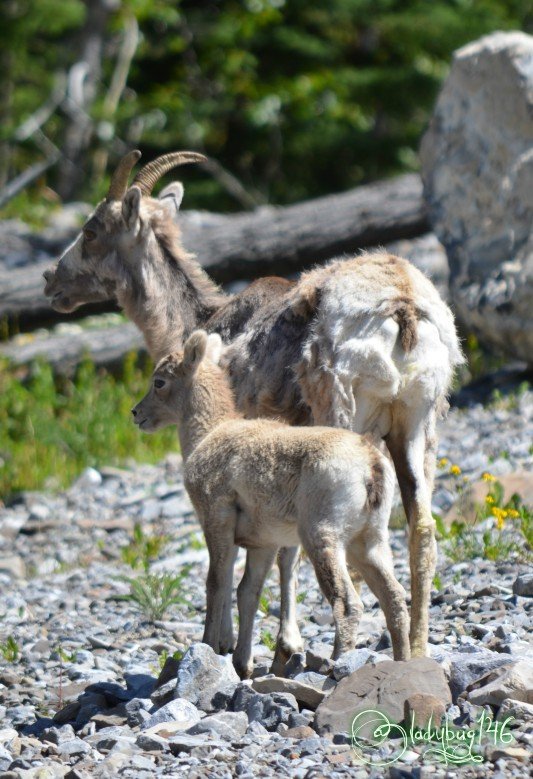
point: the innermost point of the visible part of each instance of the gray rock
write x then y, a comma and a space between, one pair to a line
477, 165
58, 735
202, 673
179, 711
467, 665
513, 681
5, 759
137, 711
385, 686
229, 725
72, 748
523, 585
318, 657
151, 742
269, 709
186, 743
350, 661
306, 695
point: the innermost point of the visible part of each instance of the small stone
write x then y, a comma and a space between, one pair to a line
304, 694
226, 724
421, 710
350, 661
300, 732
202, 673
513, 681
318, 658
507, 753
72, 748
88, 479
14, 566
523, 585
151, 742
180, 712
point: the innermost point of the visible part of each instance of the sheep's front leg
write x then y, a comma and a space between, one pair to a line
258, 564
289, 639
219, 530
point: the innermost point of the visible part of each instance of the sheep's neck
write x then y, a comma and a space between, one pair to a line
167, 299
205, 409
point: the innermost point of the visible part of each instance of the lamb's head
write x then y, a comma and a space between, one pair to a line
176, 380
94, 266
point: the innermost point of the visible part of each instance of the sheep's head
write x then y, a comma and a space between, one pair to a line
173, 380
91, 268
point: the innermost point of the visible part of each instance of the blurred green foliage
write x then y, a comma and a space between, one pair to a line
294, 98
52, 428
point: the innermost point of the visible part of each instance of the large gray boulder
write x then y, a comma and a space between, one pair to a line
477, 167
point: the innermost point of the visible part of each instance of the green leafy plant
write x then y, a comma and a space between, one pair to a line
153, 594
10, 650
143, 549
268, 640
164, 655
508, 531
52, 427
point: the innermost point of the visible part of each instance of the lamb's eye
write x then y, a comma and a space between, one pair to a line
89, 235
159, 383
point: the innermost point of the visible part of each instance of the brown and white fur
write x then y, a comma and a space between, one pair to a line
364, 343
261, 484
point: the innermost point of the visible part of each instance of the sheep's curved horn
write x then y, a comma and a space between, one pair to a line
121, 174
147, 177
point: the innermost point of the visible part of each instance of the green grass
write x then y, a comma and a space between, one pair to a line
51, 428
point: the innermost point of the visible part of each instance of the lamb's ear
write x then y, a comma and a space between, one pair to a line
214, 348
131, 206
194, 350
171, 197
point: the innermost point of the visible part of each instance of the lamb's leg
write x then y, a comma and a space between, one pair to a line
219, 530
258, 564
289, 639
411, 443
330, 566
373, 558
227, 640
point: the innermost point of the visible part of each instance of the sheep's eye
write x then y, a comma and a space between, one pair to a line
89, 235
159, 383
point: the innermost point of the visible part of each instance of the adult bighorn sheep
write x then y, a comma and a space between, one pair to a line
259, 482
364, 343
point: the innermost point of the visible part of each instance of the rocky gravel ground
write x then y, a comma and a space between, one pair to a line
90, 687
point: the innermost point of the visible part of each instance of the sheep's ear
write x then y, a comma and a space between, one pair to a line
131, 206
194, 350
214, 348
171, 197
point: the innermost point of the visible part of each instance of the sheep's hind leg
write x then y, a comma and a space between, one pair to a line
258, 564
289, 639
411, 443
335, 582
227, 639
374, 560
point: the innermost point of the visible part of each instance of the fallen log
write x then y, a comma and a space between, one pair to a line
107, 346
270, 240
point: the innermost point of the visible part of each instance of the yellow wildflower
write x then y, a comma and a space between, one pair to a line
489, 499
443, 462
513, 513
455, 470
500, 523
488, 477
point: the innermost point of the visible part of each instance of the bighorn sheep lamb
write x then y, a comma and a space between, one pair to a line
259, 483
364, 343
